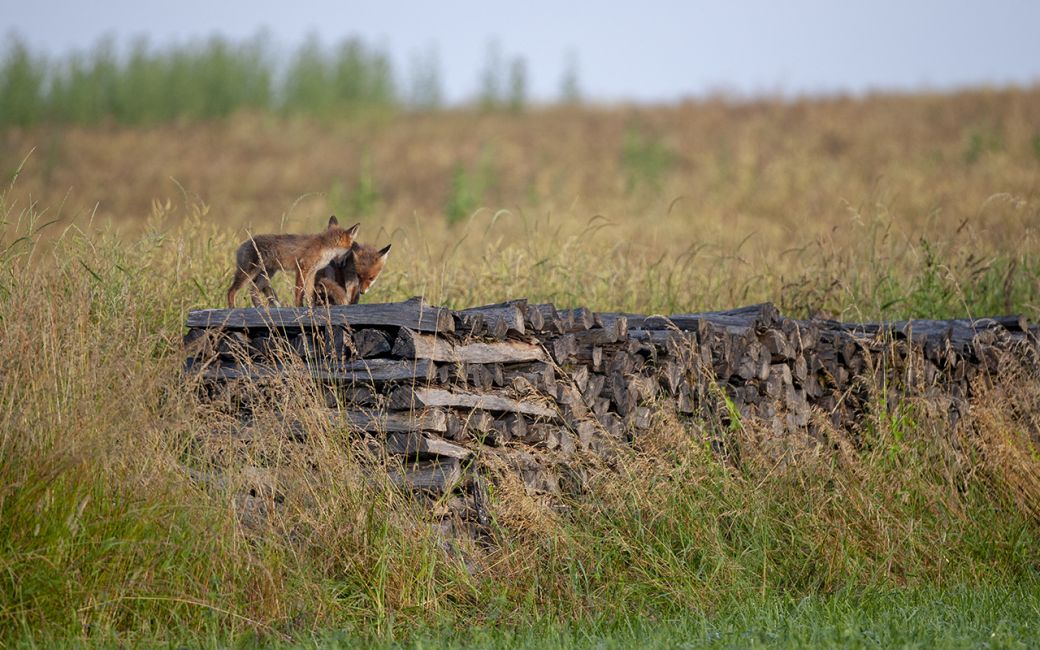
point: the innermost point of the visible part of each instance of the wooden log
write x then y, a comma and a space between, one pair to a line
420, 444
361, 371
436, 476
753, 361
617, 331
597, 384
779, 380
480, 377
551, 320
412, 345
369, 343
233, 346
386, 422
580, 377
539, 374
353, 396
590, 357
671, 376
405, 397
550, 436
613, 424
497, 320
624, 400
515, 425
620, 361
534, 320
577, 320
477, 424
778, 346
633, 321
736, 321
563, 348
413, 314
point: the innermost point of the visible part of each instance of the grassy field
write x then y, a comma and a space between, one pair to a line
883, 207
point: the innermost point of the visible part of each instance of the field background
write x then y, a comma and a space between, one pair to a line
861, 208
115, 223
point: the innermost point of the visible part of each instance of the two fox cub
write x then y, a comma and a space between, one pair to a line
331, 268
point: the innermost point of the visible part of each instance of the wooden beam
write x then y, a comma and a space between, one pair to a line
404, 397
412, 345
415, 444
393, 421
362, 371
437, 476
412, 314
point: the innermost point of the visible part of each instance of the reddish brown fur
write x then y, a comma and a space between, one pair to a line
347, 278
260, 257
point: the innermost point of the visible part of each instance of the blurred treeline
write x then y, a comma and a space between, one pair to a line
212, 78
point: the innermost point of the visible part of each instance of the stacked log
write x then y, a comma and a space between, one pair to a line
435, 390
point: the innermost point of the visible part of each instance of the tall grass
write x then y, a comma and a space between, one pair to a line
131, 513
109, 533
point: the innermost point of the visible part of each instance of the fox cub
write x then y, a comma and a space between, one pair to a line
260, 257
347, 278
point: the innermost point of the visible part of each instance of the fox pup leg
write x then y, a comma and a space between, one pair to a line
309, 279
241, 277
305, 286
262, 284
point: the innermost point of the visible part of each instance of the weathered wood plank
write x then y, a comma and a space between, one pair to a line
412, 314
405, 397
734, 320
361, 371
393, 421
412, 345
437, 476
415, 444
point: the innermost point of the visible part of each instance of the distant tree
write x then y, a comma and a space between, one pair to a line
426, 92
307, 84
491, 77
570, 90
517, 84
21, 84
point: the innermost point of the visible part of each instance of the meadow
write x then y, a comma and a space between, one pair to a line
886, 206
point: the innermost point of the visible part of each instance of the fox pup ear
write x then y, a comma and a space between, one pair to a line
383, 252
333, 221
353, 230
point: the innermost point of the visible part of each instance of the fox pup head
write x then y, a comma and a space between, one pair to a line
342, 238
368, 262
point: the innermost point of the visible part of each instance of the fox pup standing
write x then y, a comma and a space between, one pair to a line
260, 257
347, 278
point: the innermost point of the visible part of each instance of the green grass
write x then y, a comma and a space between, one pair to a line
993, 617
960, 617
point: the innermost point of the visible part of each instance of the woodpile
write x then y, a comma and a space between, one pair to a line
434, 391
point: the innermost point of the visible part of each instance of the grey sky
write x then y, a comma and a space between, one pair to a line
650, 50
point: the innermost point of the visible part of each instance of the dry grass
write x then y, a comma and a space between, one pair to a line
873, 208
836, 205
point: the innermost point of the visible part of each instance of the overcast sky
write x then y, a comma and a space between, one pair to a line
651, 50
